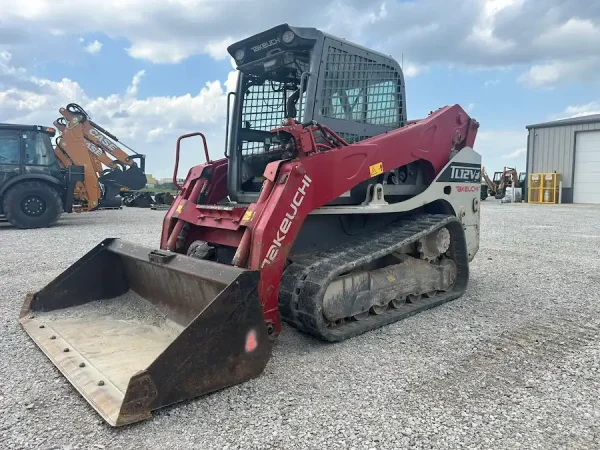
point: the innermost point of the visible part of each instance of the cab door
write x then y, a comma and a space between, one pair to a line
10, 154
38, 154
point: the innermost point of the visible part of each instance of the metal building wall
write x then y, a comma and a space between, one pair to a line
551, 149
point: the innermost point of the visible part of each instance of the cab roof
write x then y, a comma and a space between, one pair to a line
16, 126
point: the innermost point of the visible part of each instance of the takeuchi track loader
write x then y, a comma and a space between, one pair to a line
330, 212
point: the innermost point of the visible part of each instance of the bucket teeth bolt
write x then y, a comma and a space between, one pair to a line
52, 337
66, 350
82, 364
100, 383
42, 326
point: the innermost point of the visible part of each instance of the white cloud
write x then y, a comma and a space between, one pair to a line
149, 125
231, 82
553, 41
568, 53
155, 133
574, 32
169, 52
132, 89
518, 152
482, 34
544, 36
218, 49
551, 74
578, 111
93, 47
411, 70
583, 110
495, 146
6, 67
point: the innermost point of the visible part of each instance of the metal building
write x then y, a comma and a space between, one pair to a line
571, 148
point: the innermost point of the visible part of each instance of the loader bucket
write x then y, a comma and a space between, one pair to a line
136, 329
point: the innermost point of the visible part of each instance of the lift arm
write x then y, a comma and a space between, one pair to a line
262, 233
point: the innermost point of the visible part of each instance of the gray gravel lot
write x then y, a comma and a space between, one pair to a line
514, 363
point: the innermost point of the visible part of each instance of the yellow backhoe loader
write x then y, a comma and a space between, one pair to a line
108, 168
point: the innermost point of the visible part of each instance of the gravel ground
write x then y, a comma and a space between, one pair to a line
514, 363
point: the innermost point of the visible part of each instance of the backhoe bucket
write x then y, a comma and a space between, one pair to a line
132, 177
109, 197
136, 329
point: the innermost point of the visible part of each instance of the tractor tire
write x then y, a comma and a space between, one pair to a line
32, 204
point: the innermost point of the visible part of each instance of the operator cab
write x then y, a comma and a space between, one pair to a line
305, 74
26, 149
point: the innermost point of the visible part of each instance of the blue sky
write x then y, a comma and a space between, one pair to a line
149, 71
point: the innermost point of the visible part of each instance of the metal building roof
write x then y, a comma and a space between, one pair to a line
592, 118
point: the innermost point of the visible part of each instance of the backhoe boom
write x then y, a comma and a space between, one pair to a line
85, 143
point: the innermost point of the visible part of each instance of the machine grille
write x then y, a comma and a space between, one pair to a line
360, 89
264, 109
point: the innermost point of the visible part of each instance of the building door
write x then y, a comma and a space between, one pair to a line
586, 176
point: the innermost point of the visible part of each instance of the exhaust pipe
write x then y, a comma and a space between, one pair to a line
135, 329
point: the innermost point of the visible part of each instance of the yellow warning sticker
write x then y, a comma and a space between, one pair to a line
179, 208
376, 169
248, 216
391, 278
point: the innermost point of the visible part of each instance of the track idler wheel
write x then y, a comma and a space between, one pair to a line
361, 316
379, 309
398, 303
434, 244
414, 298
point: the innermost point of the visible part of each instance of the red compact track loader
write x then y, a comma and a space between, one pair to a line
330, 211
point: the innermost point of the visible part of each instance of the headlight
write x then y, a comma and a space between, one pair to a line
239, 55
288, 36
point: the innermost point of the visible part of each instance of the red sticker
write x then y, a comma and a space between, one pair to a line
251, 342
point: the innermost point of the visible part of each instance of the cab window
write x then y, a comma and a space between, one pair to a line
38, 149
9, 147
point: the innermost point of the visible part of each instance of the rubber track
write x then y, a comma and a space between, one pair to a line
305, 281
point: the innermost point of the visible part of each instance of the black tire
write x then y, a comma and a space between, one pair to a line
32, 204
